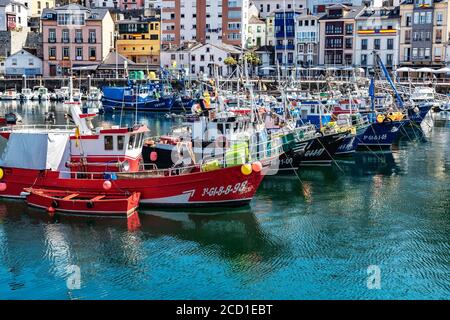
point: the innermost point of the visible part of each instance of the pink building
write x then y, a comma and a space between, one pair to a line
131, 4
75, 36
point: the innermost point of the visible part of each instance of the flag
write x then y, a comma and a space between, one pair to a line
77, 135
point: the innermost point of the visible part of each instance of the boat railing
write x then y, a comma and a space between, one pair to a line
37, 127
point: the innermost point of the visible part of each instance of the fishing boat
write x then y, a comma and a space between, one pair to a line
40, 93
26, 94
10, 94
142, 97
83, 159
94, 94
83, 203
11, 118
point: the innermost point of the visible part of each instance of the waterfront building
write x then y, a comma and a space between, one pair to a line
377, 29
267, 7
13, 15
337, 33
204, 21
270, 29
139, 39
285, 24
75, 36
424, 33
36, 6
307, 38
118, 4
197, 59
23, 63
13, 27
256, 33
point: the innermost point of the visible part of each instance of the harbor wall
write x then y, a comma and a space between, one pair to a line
56, 83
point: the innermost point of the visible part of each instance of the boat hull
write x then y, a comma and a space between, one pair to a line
227, 186
380, 136
417, 117
92, 204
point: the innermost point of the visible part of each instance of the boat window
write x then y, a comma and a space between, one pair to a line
131, 141
138, 140
109, 143
120, 142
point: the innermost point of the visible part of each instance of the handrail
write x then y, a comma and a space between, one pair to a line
37, 126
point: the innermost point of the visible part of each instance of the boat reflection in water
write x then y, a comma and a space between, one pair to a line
441, 119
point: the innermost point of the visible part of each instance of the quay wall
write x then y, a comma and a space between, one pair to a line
56, 83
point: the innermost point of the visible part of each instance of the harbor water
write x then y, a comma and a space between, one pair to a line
324, 234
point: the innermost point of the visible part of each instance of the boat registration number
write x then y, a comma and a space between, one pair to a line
225, 190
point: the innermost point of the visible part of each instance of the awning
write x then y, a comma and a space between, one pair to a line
442, 70
424, 70
405, 69
85, 68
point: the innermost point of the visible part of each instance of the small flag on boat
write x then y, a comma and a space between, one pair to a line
77, 135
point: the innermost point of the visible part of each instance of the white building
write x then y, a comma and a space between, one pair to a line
200, 59
377, 29
256, 33
104, 4
266, 7
13, 15
23, 63
307, 38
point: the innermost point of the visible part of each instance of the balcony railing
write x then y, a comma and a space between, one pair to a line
65, 40
79, 58
92, 58
52, 40
79, 40
92, 40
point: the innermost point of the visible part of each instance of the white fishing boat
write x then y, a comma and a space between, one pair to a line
10, 94
95, 94
40, 93
26, 94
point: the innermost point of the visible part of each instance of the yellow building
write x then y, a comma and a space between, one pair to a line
139, 40
38, 5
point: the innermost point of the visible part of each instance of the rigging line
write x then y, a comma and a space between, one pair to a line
332, 159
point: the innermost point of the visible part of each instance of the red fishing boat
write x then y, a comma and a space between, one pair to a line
83, 203
82, 159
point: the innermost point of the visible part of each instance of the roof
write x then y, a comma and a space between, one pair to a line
23, 52
352, 12
93, 14
255, 20
112, 58
197, 45
375, 12
265, 49
4, 3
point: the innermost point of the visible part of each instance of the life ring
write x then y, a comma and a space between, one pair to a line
55, 204
380, 118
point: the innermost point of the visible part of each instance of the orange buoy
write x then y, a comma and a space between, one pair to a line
257, 166
51, 211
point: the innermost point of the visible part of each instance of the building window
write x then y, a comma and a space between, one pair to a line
389, 60
364, 59
390, 44
52, 53
14, 61
66, 53
377, 44
364, 44
79, 53
92, 53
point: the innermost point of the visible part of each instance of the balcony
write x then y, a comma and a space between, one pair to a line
51, 58
78, 40
65, 40
92, 40
66, 58
52, 40
79, 58
282, 47
92, 58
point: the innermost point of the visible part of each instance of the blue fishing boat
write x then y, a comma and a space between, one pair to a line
143, 97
